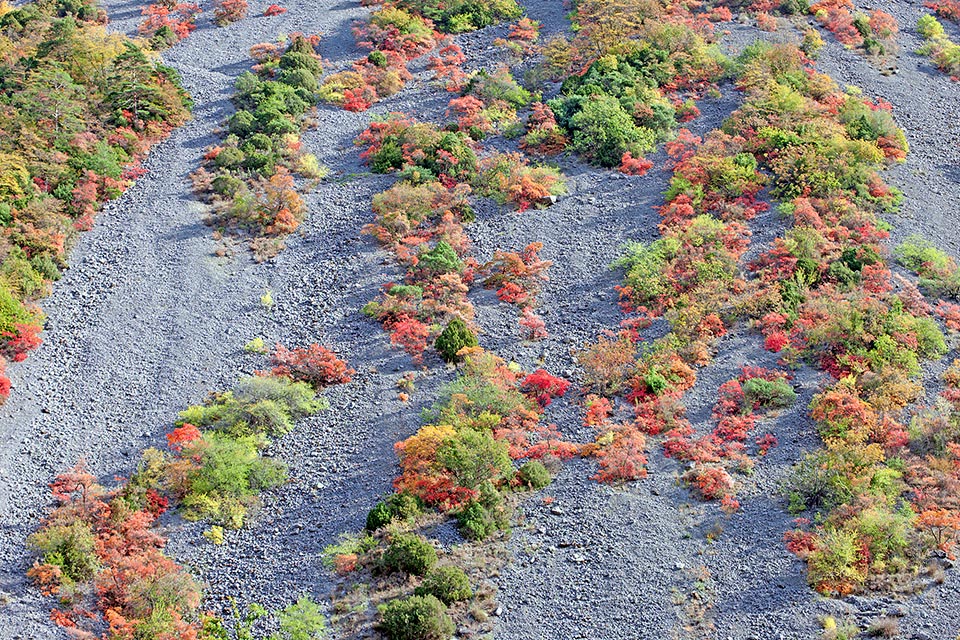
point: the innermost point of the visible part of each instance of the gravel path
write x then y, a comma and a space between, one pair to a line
148, 321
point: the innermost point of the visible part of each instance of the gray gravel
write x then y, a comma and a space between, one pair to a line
148, 321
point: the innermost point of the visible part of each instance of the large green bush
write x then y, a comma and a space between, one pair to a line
603, 131
533, 475
416, 618
409, 553
448, 584
772, 394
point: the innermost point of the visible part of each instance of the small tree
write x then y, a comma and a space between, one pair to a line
453, 338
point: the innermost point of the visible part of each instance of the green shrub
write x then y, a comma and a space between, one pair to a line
71, 547
301, 620
483, 516
440, 259
398, 506
447, 584
533, 475
409, 553
887, 533
257, 405
818, 482
930, 28
645, 265
938, 272
416, 618
603, 131
772, 394
12, 312
475, 458
454, 337
835, 564
230, 474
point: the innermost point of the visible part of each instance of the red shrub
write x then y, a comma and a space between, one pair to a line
947, 9
711, 483
883, 25
544, 387
800, 543
410, 334
274, 10
634, 166
765, 443
182, 435
950, 314
766, 22
776, 341
227, 11
359, 99
536, 328
315, 365
24, 339
598, 411
623, 459
179, 17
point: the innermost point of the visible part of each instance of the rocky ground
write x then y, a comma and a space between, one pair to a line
148, 320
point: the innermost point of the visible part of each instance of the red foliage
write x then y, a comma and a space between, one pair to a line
448, 65
411, 334
947, 9
24, 339
712, 483
836, 17
5, 384
227, 11
623, 459
135, 584
359, 99
182, 435
950, 314
156, 503
598, 411
800, 542
634, 166
517, 275
179, 17
765, 443
274, 10
536, 328
544, 387
315, 365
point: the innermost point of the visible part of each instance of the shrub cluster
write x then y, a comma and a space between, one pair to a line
486, 418
822, 293
165, 24
420, 220
248, 178
737, 411
944, 53
82, 109
874, 34
394, 36
460, 464
460, 16
105, 541
626, 101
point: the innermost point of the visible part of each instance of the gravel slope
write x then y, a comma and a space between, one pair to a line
149, 321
